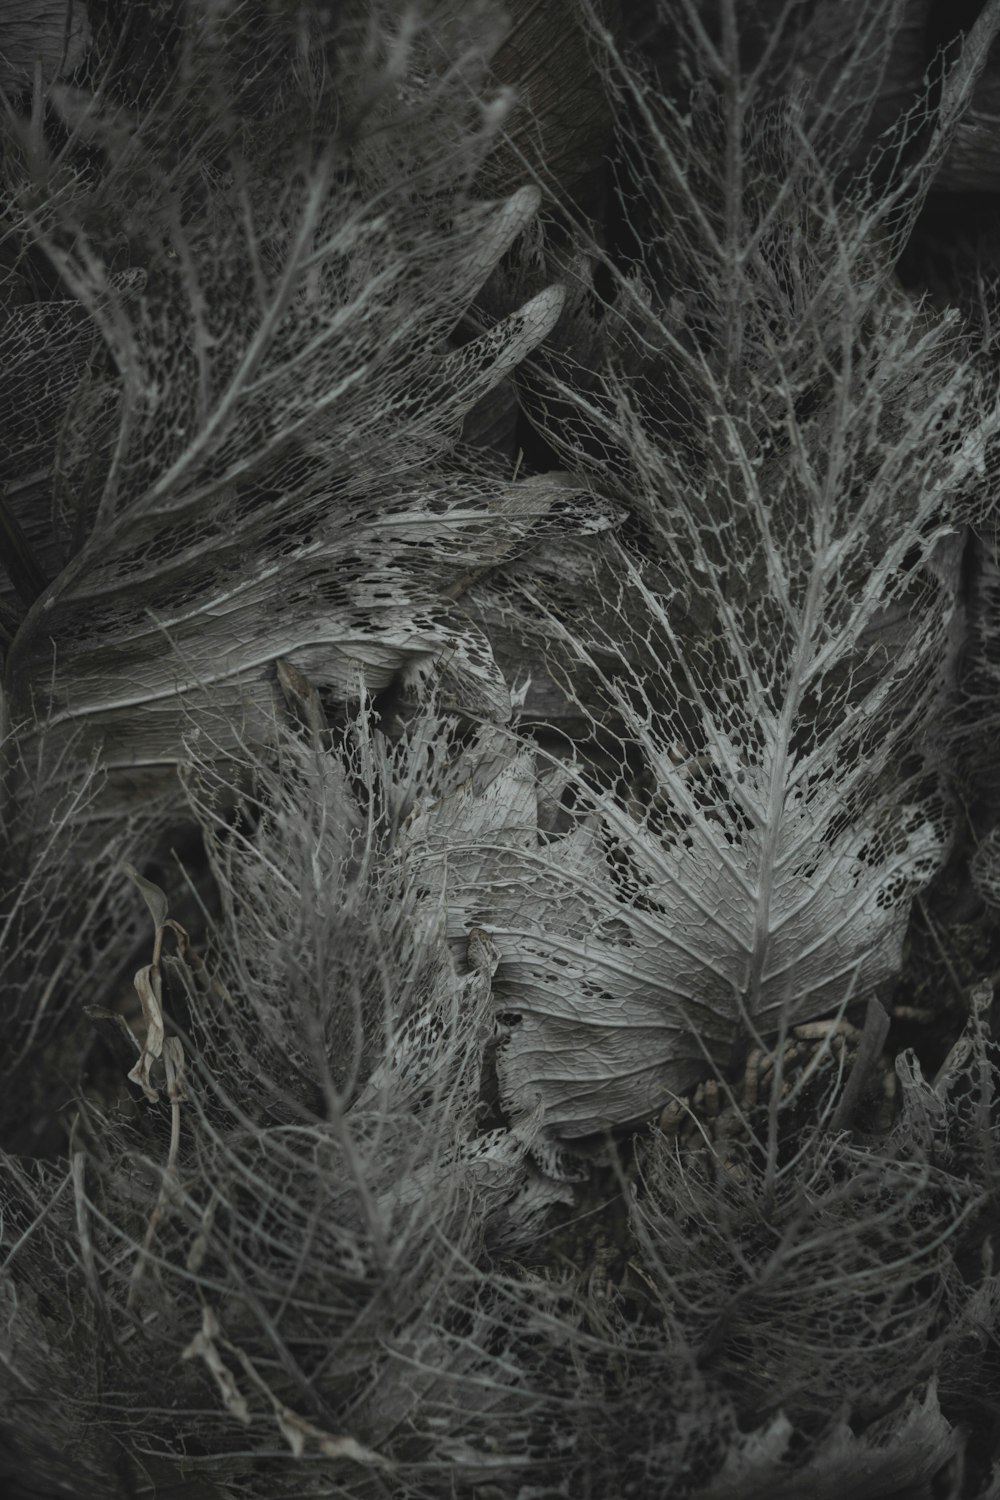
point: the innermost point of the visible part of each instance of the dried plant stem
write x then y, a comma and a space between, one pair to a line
173, 1065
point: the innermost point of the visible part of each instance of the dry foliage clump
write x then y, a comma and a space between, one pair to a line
498, 608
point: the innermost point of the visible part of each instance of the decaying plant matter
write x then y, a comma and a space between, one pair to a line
492, 650
800, 447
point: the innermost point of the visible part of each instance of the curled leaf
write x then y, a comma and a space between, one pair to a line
149, 988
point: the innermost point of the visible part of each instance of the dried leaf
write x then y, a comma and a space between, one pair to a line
156, 901
149, 988
902, 1450
275, 489
203, 1346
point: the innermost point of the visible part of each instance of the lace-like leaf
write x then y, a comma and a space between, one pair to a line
752, 679
890, 1457
284, 388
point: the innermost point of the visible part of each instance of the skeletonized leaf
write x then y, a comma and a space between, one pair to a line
753, 682
901, 1450
285, 390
